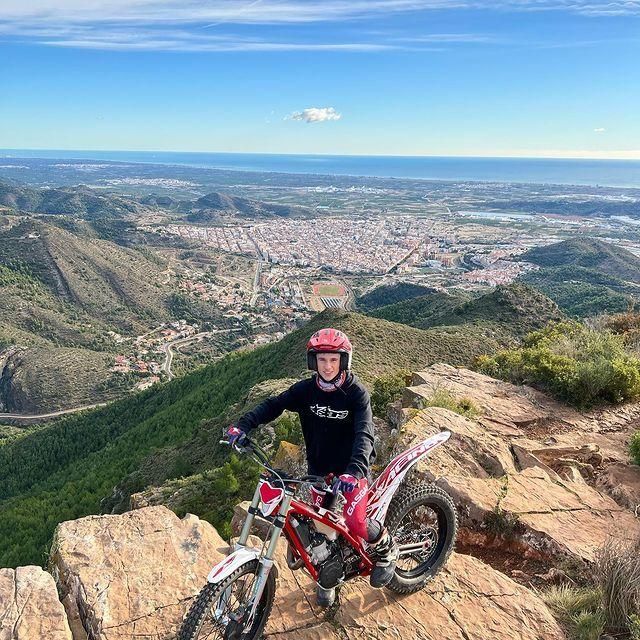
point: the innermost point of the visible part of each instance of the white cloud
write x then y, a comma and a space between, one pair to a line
599, 130
446, 38
273, 11
194, 25
315, 114
127, 38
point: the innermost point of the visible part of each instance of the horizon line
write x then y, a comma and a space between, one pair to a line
559, 155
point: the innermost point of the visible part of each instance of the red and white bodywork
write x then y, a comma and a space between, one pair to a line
231, 563
380, 495
386, 484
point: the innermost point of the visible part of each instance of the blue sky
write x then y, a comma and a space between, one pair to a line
408, 77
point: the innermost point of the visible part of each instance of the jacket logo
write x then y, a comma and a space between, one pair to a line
328, 412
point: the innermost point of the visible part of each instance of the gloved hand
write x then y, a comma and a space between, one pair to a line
236, 436
347, 483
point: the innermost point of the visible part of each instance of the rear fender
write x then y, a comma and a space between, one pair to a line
227, 566
383, 489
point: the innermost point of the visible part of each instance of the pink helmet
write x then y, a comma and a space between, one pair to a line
329, 341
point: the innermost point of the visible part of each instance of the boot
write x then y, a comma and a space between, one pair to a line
325, 597
384, 552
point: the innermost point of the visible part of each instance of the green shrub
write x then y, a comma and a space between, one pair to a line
567, 601
587, 625
579, 365
634, 447
387, 389
634, 627
578, 609
287, 427
502, 523
445, 399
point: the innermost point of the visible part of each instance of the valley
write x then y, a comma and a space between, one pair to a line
98, 280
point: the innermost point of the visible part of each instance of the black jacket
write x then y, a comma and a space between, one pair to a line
337, 425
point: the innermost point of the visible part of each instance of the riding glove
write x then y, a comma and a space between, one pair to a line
236, 437
347, 483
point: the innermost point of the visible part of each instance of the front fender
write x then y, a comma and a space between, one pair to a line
227, 566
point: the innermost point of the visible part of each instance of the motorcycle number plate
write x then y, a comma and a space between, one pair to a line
270, 497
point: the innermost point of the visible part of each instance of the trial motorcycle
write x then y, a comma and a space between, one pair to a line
236, 601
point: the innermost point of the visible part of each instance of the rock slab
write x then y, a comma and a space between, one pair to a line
29, 606
132, 575
468, 600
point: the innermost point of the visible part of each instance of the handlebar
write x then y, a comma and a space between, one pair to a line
252, 447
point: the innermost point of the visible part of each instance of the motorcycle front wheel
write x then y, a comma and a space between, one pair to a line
217, 612
423, 522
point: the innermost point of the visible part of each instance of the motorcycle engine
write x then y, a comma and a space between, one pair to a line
327, 557
325, 554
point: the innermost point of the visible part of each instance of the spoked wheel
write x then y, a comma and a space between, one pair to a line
423, 522
220, 611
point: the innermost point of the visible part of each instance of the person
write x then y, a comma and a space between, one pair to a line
337, 425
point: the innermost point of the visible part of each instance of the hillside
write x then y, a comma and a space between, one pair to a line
586, 276
582, 292
60, 294
422, 311
385, 295
503, 313
115, 285
208, 208
590, 253
45, 379
81, 202
514, 309
68, 468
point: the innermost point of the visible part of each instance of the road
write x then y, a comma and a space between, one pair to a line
168, 347
23, 417
256, 283
166, 368
168, 350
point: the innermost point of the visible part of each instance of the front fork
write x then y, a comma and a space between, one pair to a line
266, 561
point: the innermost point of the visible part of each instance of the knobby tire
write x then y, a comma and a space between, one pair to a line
209, 595
438, 500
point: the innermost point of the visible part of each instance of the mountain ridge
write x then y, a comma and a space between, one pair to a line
88, 455
585, 276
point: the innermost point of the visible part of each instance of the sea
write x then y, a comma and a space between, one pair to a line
606, 173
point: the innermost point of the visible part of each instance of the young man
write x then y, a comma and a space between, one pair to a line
337, 424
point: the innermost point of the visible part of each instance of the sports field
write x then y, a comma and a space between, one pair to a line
328, 289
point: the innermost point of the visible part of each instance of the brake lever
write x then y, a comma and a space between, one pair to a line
235, 446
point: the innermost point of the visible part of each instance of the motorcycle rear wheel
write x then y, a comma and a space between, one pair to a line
211, 615
417, 514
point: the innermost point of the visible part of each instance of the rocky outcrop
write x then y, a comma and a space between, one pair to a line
290, 458
554, 482
622, 483
132, 575
509, 405
473, 451
557, 519
500, 403
29, 606
468, 600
